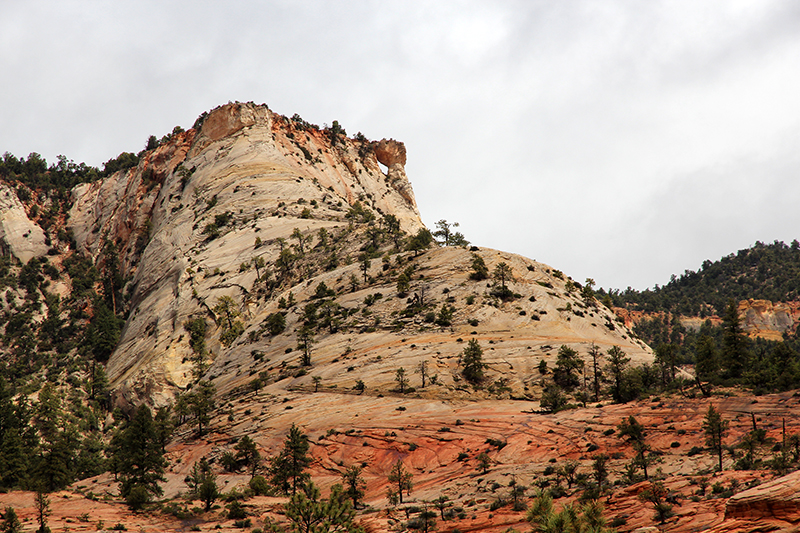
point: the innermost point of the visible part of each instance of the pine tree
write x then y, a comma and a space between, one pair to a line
618, 361
201, 403
706, 362
18, 439
403, 284
484, 462
568, 363
305, 340
203, 483
734, 343
11, 523
53, 467
502, 275
140, 461
715, 428
401, 379
472, 361
42, 503
401, 478
287, 470
103, 332
421, 241
248, 454
354, 484
308, 513
594, 353
479, 269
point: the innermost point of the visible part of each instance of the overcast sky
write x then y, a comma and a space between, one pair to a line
619, 140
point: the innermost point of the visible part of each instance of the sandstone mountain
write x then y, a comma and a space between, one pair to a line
193, 218
288, 265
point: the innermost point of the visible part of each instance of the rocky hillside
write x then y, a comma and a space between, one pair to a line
259, 208
440, 443
288, 266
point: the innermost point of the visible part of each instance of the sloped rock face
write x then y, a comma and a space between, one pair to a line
759, 318
19, 236
776, 500
198, 215
258, 170
765, 319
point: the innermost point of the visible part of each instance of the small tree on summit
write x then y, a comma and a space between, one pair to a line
447, 237
421, 241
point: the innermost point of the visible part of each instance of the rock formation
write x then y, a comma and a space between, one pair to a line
19, 236
200, 210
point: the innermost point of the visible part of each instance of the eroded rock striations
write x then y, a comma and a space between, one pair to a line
244, 161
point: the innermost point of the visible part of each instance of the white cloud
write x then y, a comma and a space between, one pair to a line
619, 140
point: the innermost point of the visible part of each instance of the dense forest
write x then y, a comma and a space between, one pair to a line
722, 354
55, 423
764, 272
